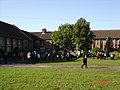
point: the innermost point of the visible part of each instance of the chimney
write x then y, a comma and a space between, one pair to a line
44, 31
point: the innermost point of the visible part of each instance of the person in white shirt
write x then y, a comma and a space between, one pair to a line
28, 56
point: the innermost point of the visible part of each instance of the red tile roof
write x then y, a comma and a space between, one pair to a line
106, 33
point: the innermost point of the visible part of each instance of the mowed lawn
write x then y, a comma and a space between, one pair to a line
62, 78
91, 62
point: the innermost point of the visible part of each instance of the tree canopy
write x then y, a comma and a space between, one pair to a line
82, 34
70, 35
63, 37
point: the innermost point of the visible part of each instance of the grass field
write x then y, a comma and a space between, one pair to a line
91, 62
62, 78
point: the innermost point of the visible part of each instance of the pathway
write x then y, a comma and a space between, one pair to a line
57, 66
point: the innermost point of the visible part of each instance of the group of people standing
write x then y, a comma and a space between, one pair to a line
31, 56
35, 57
101, 55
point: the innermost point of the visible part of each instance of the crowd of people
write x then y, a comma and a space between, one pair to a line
101, 55
32, 57
36, 57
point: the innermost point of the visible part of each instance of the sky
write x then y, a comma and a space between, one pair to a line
33, 15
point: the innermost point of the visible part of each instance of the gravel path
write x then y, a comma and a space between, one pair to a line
58, 66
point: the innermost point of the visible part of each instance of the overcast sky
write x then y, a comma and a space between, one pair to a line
33, 15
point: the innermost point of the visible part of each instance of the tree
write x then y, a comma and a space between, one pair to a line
95, 50
63, 37
82, 35
69, 36
109, 44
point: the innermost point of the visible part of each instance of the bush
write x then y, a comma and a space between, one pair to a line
116, 53
95, 50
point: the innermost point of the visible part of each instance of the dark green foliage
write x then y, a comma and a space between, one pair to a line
116, 54
70, 35
63, 37
109, 44
95, 50
82, 34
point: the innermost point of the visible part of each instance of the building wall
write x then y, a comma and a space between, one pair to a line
8, 44
100, 43
37, 44
2, 43
118, 43
47, 44
20, 44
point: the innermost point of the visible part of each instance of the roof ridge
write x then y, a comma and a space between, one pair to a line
107, 30
22, 32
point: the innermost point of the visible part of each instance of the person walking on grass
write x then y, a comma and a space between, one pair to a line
84, 61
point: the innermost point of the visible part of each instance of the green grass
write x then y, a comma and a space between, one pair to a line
62, 78
91, 62
108, 62
58, 79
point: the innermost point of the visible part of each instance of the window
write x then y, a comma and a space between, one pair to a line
20, 44
104, 42
8, 44
14, 43
2, 43
101, 42
118, 43
96, 42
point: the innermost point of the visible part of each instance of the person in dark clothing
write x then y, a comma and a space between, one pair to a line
5, 58
84, 61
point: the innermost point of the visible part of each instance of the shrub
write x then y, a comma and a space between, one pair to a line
116, 53
95, 50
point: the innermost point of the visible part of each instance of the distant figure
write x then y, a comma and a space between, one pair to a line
97, 55
5, 57
84, 61
14, 56
112, 56
68, 56
20, 55
105, 55
28, 57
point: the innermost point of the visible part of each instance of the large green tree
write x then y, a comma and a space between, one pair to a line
82, 35
70, 35
63, 37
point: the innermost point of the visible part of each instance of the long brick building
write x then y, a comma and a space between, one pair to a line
99, 40
102, 35
12, 37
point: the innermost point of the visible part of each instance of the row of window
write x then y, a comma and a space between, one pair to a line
103, 43
10, 43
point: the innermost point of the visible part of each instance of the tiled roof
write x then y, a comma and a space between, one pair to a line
46, 36
106, 33
9, 30
30, 35
103, 34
